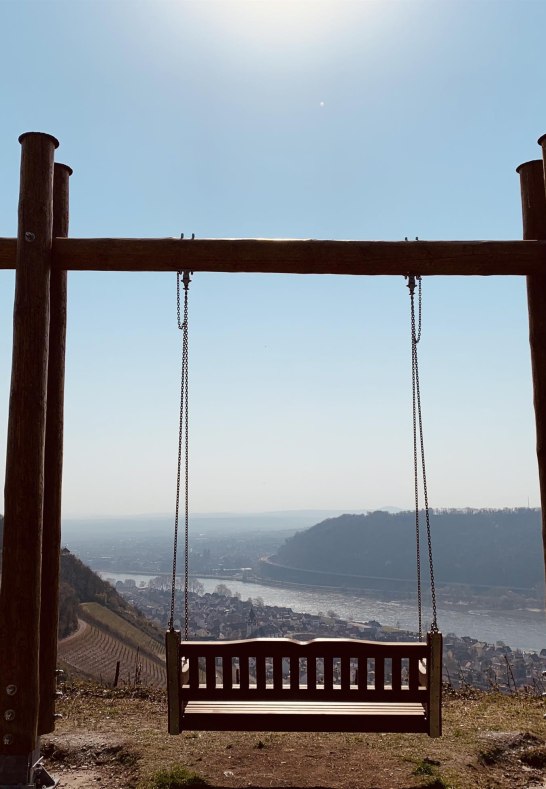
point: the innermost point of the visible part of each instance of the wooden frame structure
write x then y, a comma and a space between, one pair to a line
41, 255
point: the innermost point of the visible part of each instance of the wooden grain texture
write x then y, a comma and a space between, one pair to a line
53, 464
434, 682
24, 483
306, 717
301, 257
293, 256
172, 655
8, 253
335, 647
533, 206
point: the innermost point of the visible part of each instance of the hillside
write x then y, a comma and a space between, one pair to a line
102, 640
471, 547
79, 584
98, 629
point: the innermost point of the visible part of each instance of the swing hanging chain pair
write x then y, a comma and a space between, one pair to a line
183, 445
413, 282
183, 441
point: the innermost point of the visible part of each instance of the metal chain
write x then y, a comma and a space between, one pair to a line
183, 438
418, 425
411, 286
419, 310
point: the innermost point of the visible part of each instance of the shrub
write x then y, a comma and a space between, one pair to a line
174, 778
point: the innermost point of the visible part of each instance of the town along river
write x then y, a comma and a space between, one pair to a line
518, 629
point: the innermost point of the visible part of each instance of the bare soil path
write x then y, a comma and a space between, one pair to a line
118, 739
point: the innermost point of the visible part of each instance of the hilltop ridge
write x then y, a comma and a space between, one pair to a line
472, 547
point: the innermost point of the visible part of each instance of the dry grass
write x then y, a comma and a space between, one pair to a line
490, 742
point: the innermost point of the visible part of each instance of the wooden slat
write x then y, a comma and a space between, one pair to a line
319, 647
243, 673
227, 672
326, 717
260, 673
345, 672
311, 673
305, 708
297, 256
362, 674
210, 668
294, 673
193, 672
396, 673
277, 672
328, 673
413, 674
379, 673
335, 693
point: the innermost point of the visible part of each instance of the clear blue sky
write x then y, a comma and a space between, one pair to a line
372, 120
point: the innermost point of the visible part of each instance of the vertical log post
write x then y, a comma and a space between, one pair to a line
53, 472
533, 205
24, 484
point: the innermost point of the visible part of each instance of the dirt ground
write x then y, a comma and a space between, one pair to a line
118, 739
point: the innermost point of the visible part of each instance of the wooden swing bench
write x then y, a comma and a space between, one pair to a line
327, 684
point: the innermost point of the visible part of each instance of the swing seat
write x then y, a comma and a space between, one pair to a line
327, 684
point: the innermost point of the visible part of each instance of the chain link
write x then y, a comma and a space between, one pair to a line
183, 441
418, 434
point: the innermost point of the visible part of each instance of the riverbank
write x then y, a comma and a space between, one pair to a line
523, 629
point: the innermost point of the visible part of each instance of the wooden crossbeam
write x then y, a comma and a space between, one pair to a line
293, 256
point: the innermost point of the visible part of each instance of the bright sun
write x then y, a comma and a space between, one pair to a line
269, 23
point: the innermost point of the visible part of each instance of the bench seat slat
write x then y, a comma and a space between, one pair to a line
304, 709
310, 716
271, 694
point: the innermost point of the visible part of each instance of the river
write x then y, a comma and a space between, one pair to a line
519, 629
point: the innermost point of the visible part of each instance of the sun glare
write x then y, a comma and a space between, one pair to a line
264, 24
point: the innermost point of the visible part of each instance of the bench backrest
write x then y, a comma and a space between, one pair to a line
325, 669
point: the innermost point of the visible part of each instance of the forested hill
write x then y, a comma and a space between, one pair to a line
475, 547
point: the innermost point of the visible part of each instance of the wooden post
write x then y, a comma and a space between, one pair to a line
533, 204
24, 483
53, 471
172, 654
434, 681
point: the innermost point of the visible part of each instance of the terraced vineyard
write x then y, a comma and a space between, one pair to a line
102, 640
102, 616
